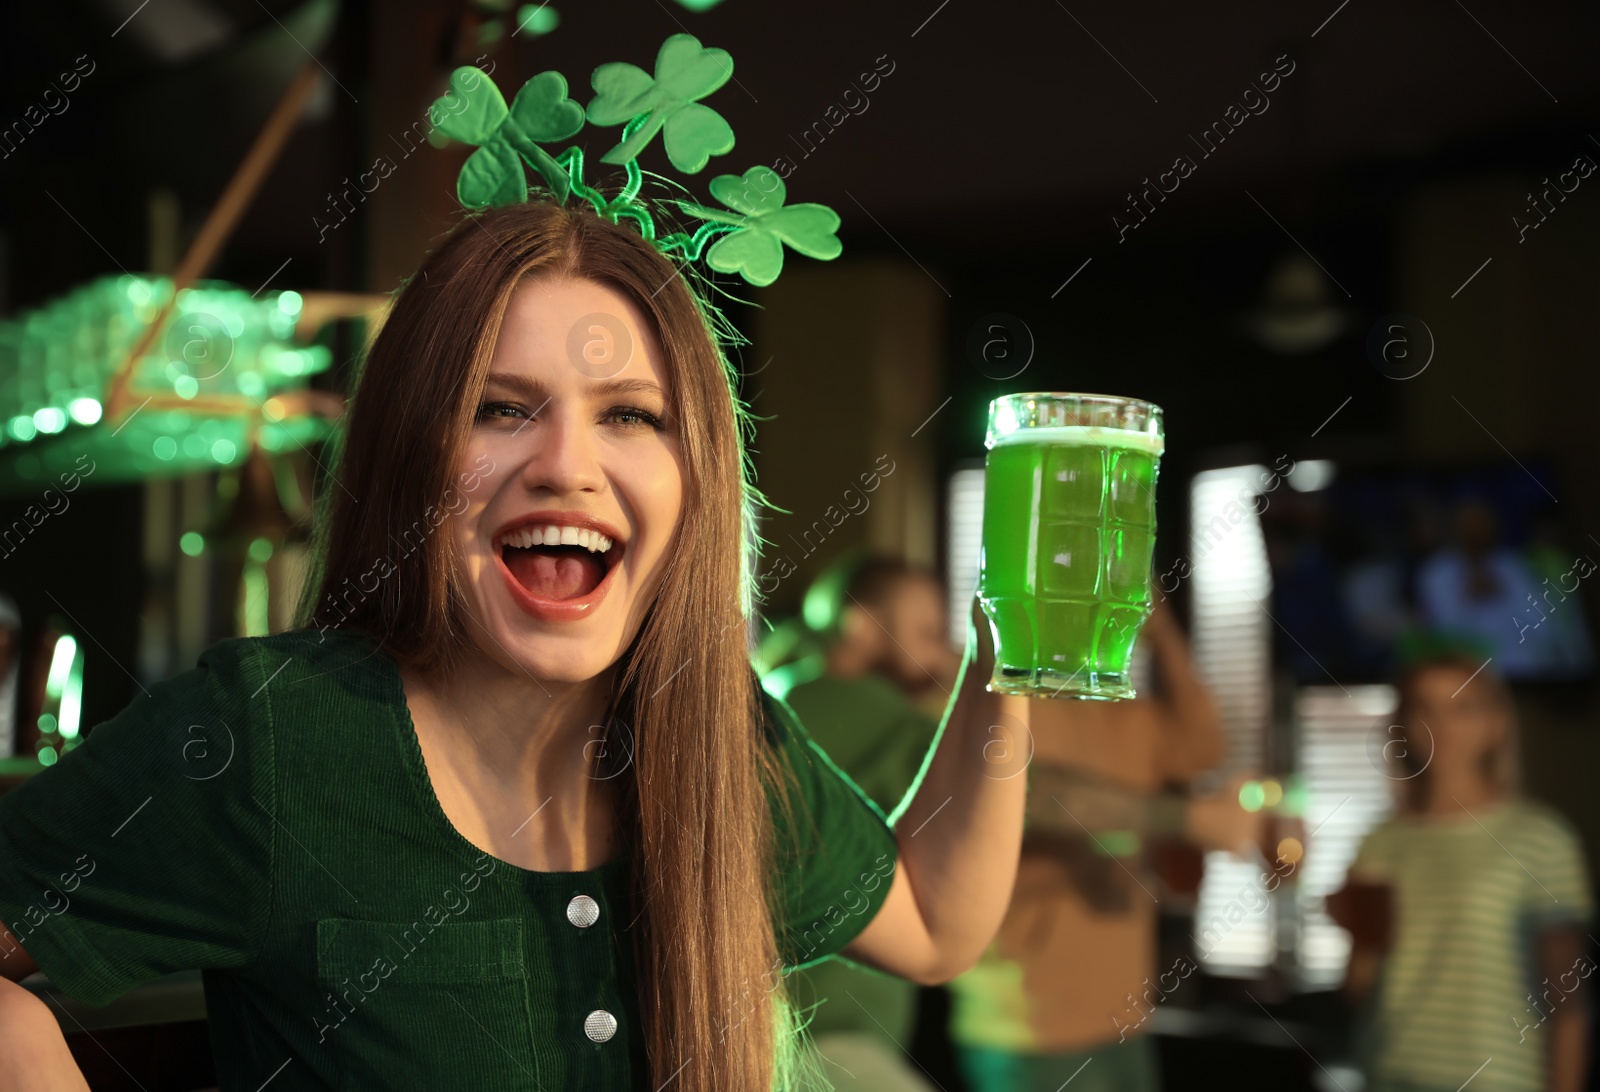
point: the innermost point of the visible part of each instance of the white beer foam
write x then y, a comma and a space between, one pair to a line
1086, 435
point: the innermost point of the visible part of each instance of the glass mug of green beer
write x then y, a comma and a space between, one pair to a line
1069, 523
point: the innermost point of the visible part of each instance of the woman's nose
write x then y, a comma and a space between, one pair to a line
564, 455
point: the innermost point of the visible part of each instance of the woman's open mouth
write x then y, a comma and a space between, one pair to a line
558, 571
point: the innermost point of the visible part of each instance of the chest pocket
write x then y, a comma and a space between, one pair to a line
425, 1004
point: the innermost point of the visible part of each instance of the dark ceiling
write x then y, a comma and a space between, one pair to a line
1021, 125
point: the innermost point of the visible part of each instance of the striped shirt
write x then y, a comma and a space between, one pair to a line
1461, 995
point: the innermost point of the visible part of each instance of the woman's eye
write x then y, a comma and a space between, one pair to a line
628, 416
633, 416
500, 410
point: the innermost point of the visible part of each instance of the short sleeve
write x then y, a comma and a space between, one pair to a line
148, 848
835, 852
1555, 889
870, 731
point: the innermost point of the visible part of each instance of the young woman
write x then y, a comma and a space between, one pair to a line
510, 810
1469, 908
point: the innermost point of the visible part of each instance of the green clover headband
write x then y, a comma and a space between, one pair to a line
749, 240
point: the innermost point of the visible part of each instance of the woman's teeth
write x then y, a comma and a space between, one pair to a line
555, 535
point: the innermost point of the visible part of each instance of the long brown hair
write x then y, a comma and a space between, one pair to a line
695, 812
1415, 756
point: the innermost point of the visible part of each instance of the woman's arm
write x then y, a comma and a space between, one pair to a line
33, 1052
960, 836
1064, 801
1562, 952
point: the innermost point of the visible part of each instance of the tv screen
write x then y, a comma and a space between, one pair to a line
1380, 551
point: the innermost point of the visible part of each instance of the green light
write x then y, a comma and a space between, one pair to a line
1117, 843
72, 700
1252, 796
192, 543
47, 723
260, 550
1295, 794
221, 341
85, 411
47, 756
223, 451
777, 683
823, 604
60, 665
49, 419
253, 602
536, 19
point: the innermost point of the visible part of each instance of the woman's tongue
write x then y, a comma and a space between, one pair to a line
559, 572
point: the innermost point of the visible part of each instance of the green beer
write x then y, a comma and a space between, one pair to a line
1068, 530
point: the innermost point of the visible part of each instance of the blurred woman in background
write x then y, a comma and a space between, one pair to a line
1468, 908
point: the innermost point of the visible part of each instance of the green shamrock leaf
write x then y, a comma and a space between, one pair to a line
474, 112
754, 249
471, 110
491, 177
758, 190
542, 110
695, 133
685, 72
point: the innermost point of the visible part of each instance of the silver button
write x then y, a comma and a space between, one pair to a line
600, 1025
583, 912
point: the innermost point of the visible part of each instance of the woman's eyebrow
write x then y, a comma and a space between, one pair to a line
610, 388
534, 390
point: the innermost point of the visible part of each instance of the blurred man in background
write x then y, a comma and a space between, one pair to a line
870, 693
1072, 976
